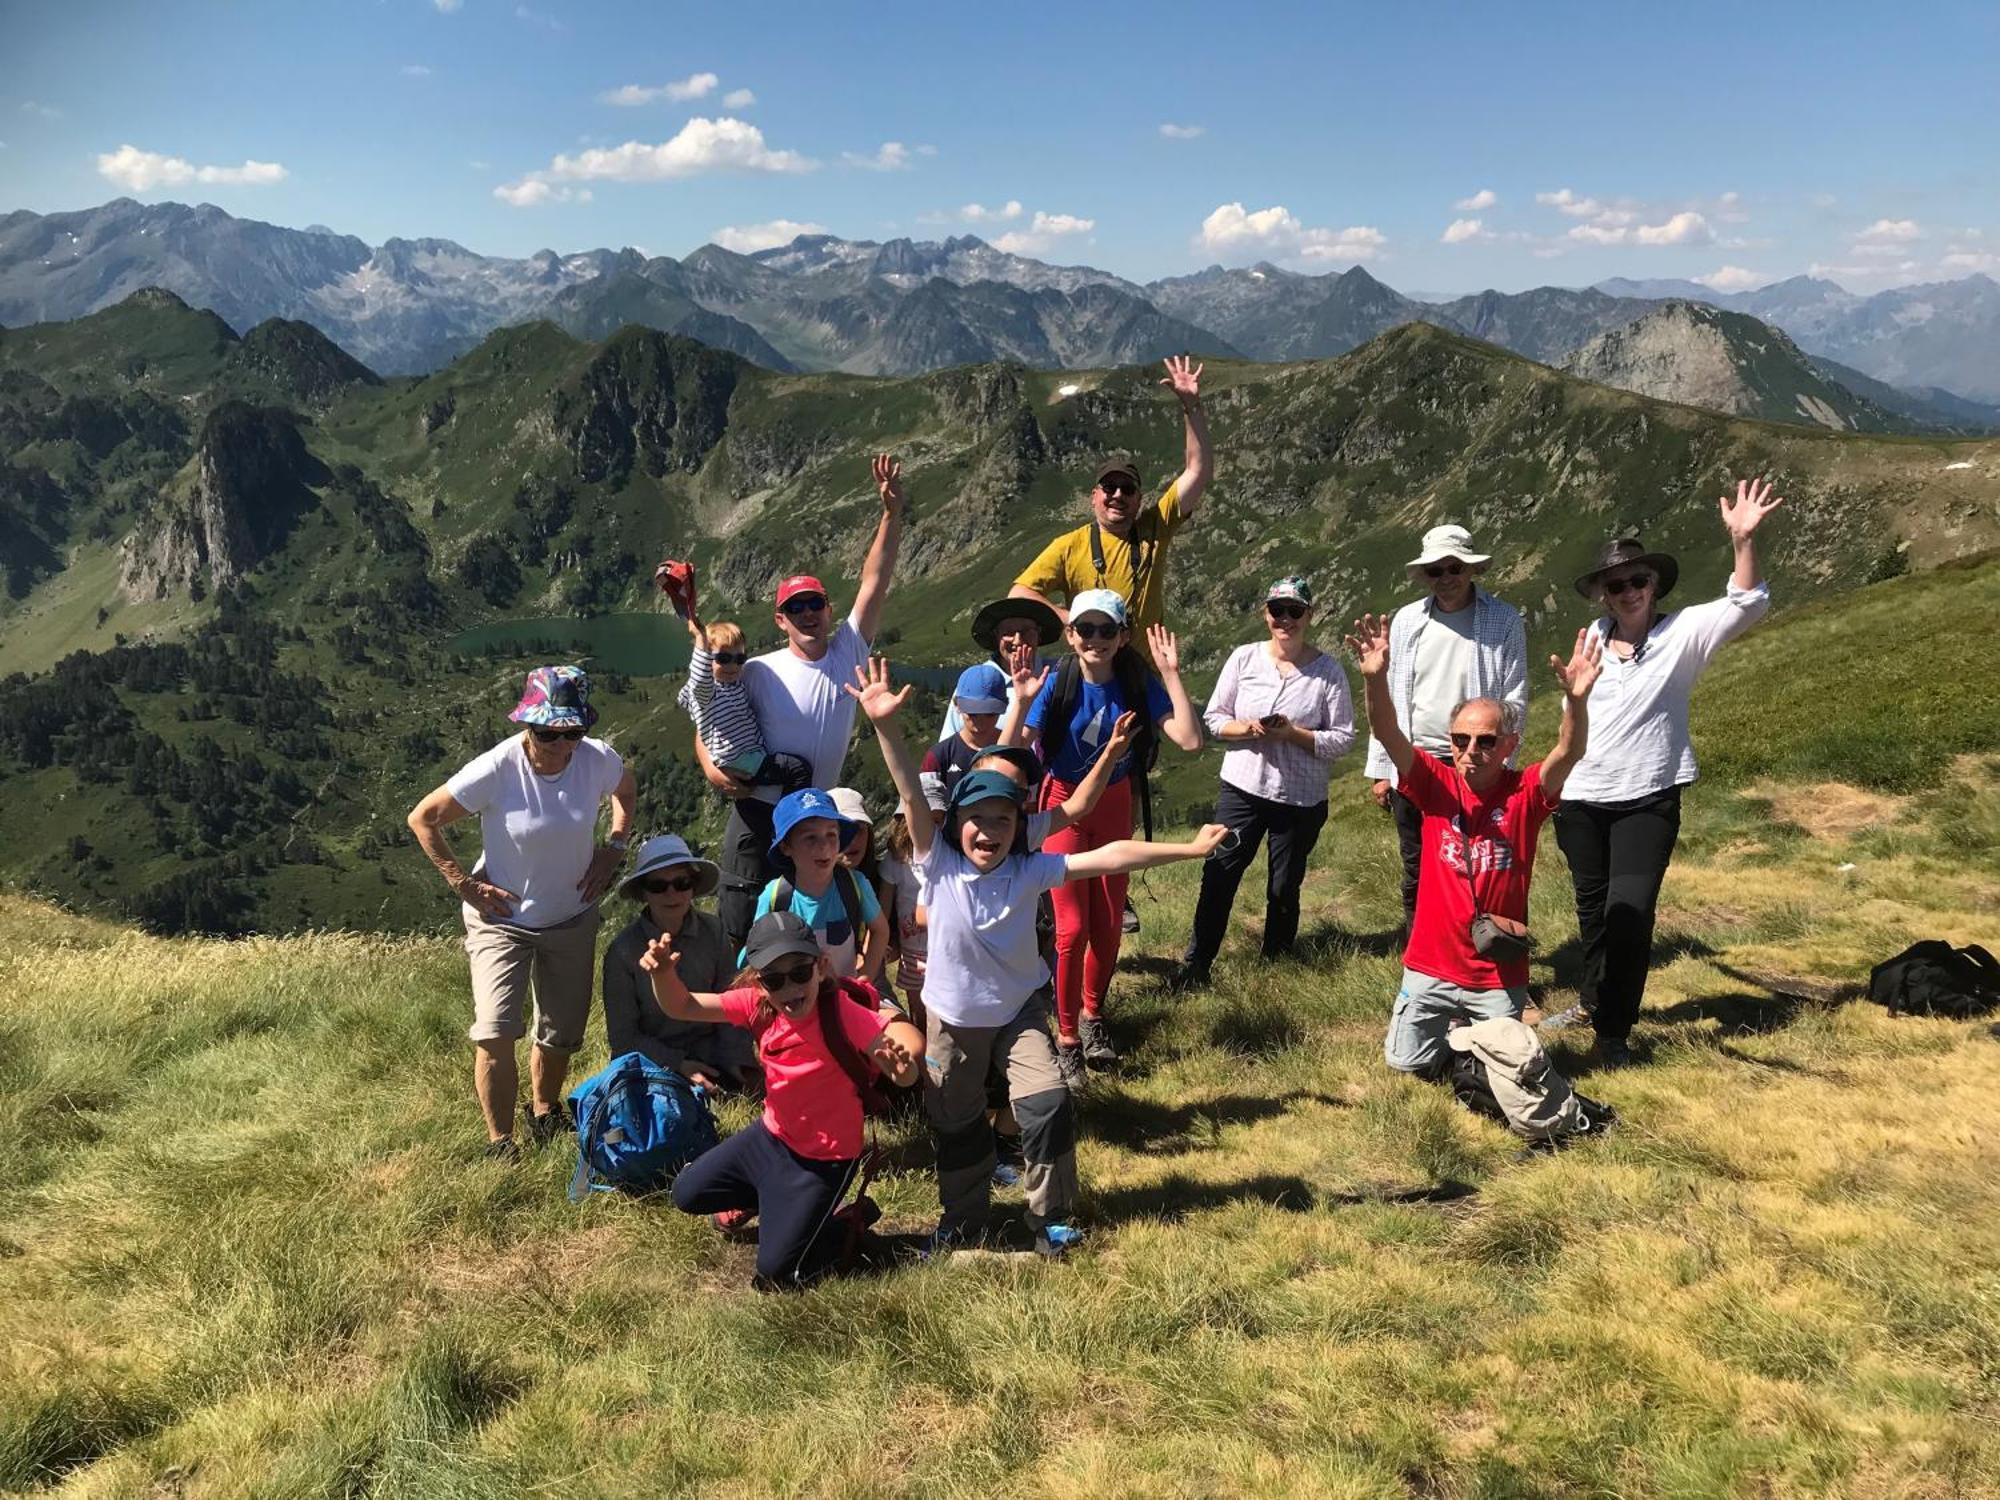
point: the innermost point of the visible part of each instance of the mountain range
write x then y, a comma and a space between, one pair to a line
905, 306
259, 599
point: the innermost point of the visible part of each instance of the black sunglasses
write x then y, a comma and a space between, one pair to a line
1286, 611
668, 883
1467, 741
804, 604
1444, 570
550, 736
731, 658
777, 979
1117, 487
1616, 586
1089, 630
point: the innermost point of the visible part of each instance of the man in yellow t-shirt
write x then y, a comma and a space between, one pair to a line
1124, 548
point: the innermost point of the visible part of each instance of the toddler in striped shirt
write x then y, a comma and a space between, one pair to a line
716, 699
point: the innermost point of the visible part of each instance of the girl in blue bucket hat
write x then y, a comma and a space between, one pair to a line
839, 904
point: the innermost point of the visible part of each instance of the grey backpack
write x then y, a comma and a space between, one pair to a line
1499, 1069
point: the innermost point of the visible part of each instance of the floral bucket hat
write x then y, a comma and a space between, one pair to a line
556, 698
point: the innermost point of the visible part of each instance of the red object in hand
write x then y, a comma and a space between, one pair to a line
676, 581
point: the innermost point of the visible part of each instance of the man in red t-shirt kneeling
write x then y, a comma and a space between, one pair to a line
1481, 824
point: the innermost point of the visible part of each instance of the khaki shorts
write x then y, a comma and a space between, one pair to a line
555, 968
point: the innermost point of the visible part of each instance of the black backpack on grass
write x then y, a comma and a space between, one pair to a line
1933, 978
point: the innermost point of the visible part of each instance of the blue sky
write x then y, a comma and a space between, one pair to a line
1446, 147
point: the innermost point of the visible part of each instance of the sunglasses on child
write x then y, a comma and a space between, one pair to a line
732, 658
661, 884
1633, 581
1285, 611
550, 736
804, 604
778, 979
1444, 570
1090, 630
1467, 741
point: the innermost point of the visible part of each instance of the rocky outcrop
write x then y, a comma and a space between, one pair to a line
249, 481
648, 399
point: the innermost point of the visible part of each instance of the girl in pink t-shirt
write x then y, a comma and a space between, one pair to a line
792, 1166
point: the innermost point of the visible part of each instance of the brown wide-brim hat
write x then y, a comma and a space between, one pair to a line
1623, 552
986, 624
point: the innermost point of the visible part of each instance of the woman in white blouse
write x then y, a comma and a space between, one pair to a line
1282, 707
1621, 809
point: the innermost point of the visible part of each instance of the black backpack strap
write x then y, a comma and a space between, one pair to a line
1142, 556
1062, 705
840, 1047
1133, 680
850, 898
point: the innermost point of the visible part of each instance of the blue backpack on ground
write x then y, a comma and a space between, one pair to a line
637, 1124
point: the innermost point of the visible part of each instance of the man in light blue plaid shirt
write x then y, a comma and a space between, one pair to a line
1458, 642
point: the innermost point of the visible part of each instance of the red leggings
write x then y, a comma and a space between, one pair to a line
1089, 913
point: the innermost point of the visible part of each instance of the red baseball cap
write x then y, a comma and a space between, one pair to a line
800, 583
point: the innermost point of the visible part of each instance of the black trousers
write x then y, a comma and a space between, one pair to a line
793, 1197
1618, 854
746, 866
1293, 831
1410, 839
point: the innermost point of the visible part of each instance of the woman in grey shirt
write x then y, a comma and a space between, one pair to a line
668, 879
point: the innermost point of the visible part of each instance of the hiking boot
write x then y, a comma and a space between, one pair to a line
732, 1223
1614, 1052
1129, 921
1096, 1038
1575, 1015
1008, 1162
1069, 1066
1188, 977
1054, 1241
544, 1128
503, 1149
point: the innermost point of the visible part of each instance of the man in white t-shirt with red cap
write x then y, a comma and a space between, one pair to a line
1456, 643
801, 710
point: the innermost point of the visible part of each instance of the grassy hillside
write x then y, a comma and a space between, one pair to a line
248, 1247
285, 710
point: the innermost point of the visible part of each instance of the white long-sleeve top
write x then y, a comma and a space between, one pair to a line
1313, 696
1639, 744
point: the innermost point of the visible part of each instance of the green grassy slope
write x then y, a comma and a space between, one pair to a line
246, 1247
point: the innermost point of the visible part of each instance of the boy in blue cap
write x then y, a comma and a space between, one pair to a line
980, 697
986, 987
839, 904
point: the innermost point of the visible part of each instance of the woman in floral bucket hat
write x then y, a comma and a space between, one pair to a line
530, 903
1281, 706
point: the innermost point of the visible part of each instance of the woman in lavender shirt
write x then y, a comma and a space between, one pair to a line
1282, 708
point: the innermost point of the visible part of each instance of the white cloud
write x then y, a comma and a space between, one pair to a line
1182, 132
538, 18
1483, 199
447, 6
747, 238
1233, 233
694, 86
1042, 233
415, 70
1729, 209
1732, 279
892, 156
978, 213
1890, 231
533, 192
140, 171
1567, 202
738, 99
703, 145
1458, 231
1684, 228
40, 111
1965, 258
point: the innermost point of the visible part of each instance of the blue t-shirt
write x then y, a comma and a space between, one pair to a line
837, 929
1069, 750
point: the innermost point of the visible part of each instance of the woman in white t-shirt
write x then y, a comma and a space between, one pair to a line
530, 903
1621, 807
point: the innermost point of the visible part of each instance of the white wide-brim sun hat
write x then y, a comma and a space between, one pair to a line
663, 852
1443, 542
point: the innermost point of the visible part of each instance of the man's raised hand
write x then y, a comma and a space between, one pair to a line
889, 481
1579, 673
1184, 376
1370, 644
1753, 502
878, 699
